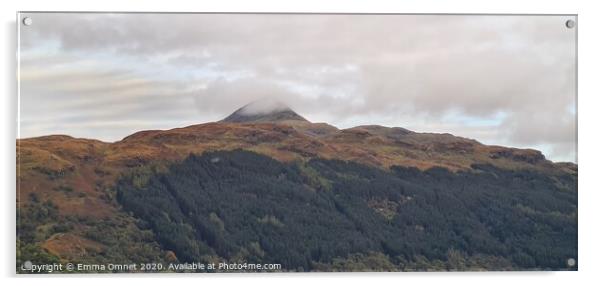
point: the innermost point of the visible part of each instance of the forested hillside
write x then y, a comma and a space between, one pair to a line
330, 215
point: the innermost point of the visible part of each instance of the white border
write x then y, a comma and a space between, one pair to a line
589, 134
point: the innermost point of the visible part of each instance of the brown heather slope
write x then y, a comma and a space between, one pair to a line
76, 175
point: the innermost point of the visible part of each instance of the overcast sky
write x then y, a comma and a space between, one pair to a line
504, 80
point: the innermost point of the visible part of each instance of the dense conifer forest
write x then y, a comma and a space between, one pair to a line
329, 215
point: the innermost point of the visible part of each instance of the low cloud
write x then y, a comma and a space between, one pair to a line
263, 106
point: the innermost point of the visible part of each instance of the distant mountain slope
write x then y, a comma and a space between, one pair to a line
73, 179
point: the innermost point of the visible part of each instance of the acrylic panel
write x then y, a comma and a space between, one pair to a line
240, 142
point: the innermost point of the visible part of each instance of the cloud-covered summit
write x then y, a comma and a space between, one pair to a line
265, 110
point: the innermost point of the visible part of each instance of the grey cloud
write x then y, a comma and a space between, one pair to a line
225, 96
63, 96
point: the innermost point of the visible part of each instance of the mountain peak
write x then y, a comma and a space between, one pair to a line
264, 111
